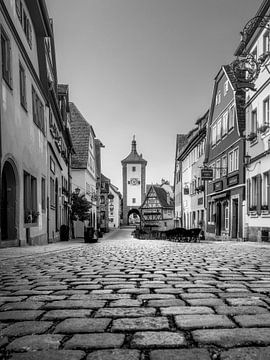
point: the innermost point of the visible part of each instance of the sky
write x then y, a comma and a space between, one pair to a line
144, 68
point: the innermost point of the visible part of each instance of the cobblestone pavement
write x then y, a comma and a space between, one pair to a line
127, 299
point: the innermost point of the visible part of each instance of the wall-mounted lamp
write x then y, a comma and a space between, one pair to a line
247, 159
77, 191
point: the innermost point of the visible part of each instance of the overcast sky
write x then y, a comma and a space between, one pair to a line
144, 67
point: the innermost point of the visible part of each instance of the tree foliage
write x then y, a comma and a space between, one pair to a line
80, 207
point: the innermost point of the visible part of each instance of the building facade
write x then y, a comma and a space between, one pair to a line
28, 103
178, 196
257, 153
190, 160
134, 172
83, 166
115, 208
225, 155
157, 209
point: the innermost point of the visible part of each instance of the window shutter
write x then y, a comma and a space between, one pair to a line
248, 195
259, 192
268, 191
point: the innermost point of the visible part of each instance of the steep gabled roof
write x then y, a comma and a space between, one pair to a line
80, 134
239, 100
161, 196
134, 157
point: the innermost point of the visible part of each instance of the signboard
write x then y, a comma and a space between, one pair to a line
200, 201
186, 190
207, 174
218, 186
233, 180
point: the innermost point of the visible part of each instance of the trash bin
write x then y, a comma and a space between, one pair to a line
64, 233
88, 234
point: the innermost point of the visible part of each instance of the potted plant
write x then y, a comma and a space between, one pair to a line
31, 216
253, 208
263, 128
264, 207
35, 215
251, 136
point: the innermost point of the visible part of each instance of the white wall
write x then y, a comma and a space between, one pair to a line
134, 191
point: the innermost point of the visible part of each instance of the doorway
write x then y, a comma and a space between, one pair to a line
218, 219
8, 200
235, 219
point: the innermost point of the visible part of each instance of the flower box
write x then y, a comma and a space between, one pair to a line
263, 128
251, 136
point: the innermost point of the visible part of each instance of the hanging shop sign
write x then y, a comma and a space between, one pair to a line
206, 174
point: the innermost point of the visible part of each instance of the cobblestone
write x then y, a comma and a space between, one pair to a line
180, 354
186, 322
95, 341
50, 355
150, 339
114, 354
246, 354
135, 300
145, 323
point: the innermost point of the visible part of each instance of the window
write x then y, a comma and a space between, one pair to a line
224, 165
226, 218
230, 169
266, 111
266, 46
254, 191
236, 158
214, 134
255, 53
233, 160
224, 123
52, 165
218, 166
133, 168
253, 125
29, 197
6, 57
22, 86
19, 9
266, 189
52, 192
25, 22
43, 194
219, 130
231, 118
134, 201
38, 111
218, 97
226, 87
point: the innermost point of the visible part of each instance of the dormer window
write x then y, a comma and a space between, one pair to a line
226, 87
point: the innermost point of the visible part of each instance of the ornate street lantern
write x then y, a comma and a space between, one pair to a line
247, 67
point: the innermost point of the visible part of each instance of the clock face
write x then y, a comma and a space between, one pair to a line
134, 181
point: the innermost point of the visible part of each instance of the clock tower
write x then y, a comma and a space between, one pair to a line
133, 170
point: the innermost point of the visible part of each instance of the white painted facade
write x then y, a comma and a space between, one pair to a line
24, 145
114, 207
257, 205
134, 175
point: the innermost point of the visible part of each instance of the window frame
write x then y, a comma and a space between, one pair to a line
6, 57
23, 93
266, 115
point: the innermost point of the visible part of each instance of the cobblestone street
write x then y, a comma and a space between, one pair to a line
128, 299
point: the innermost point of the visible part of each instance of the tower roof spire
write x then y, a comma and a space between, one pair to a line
133, 145
134, 157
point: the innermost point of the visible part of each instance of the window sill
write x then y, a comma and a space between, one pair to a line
253, 142
24, 106
30, 225
8, 83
